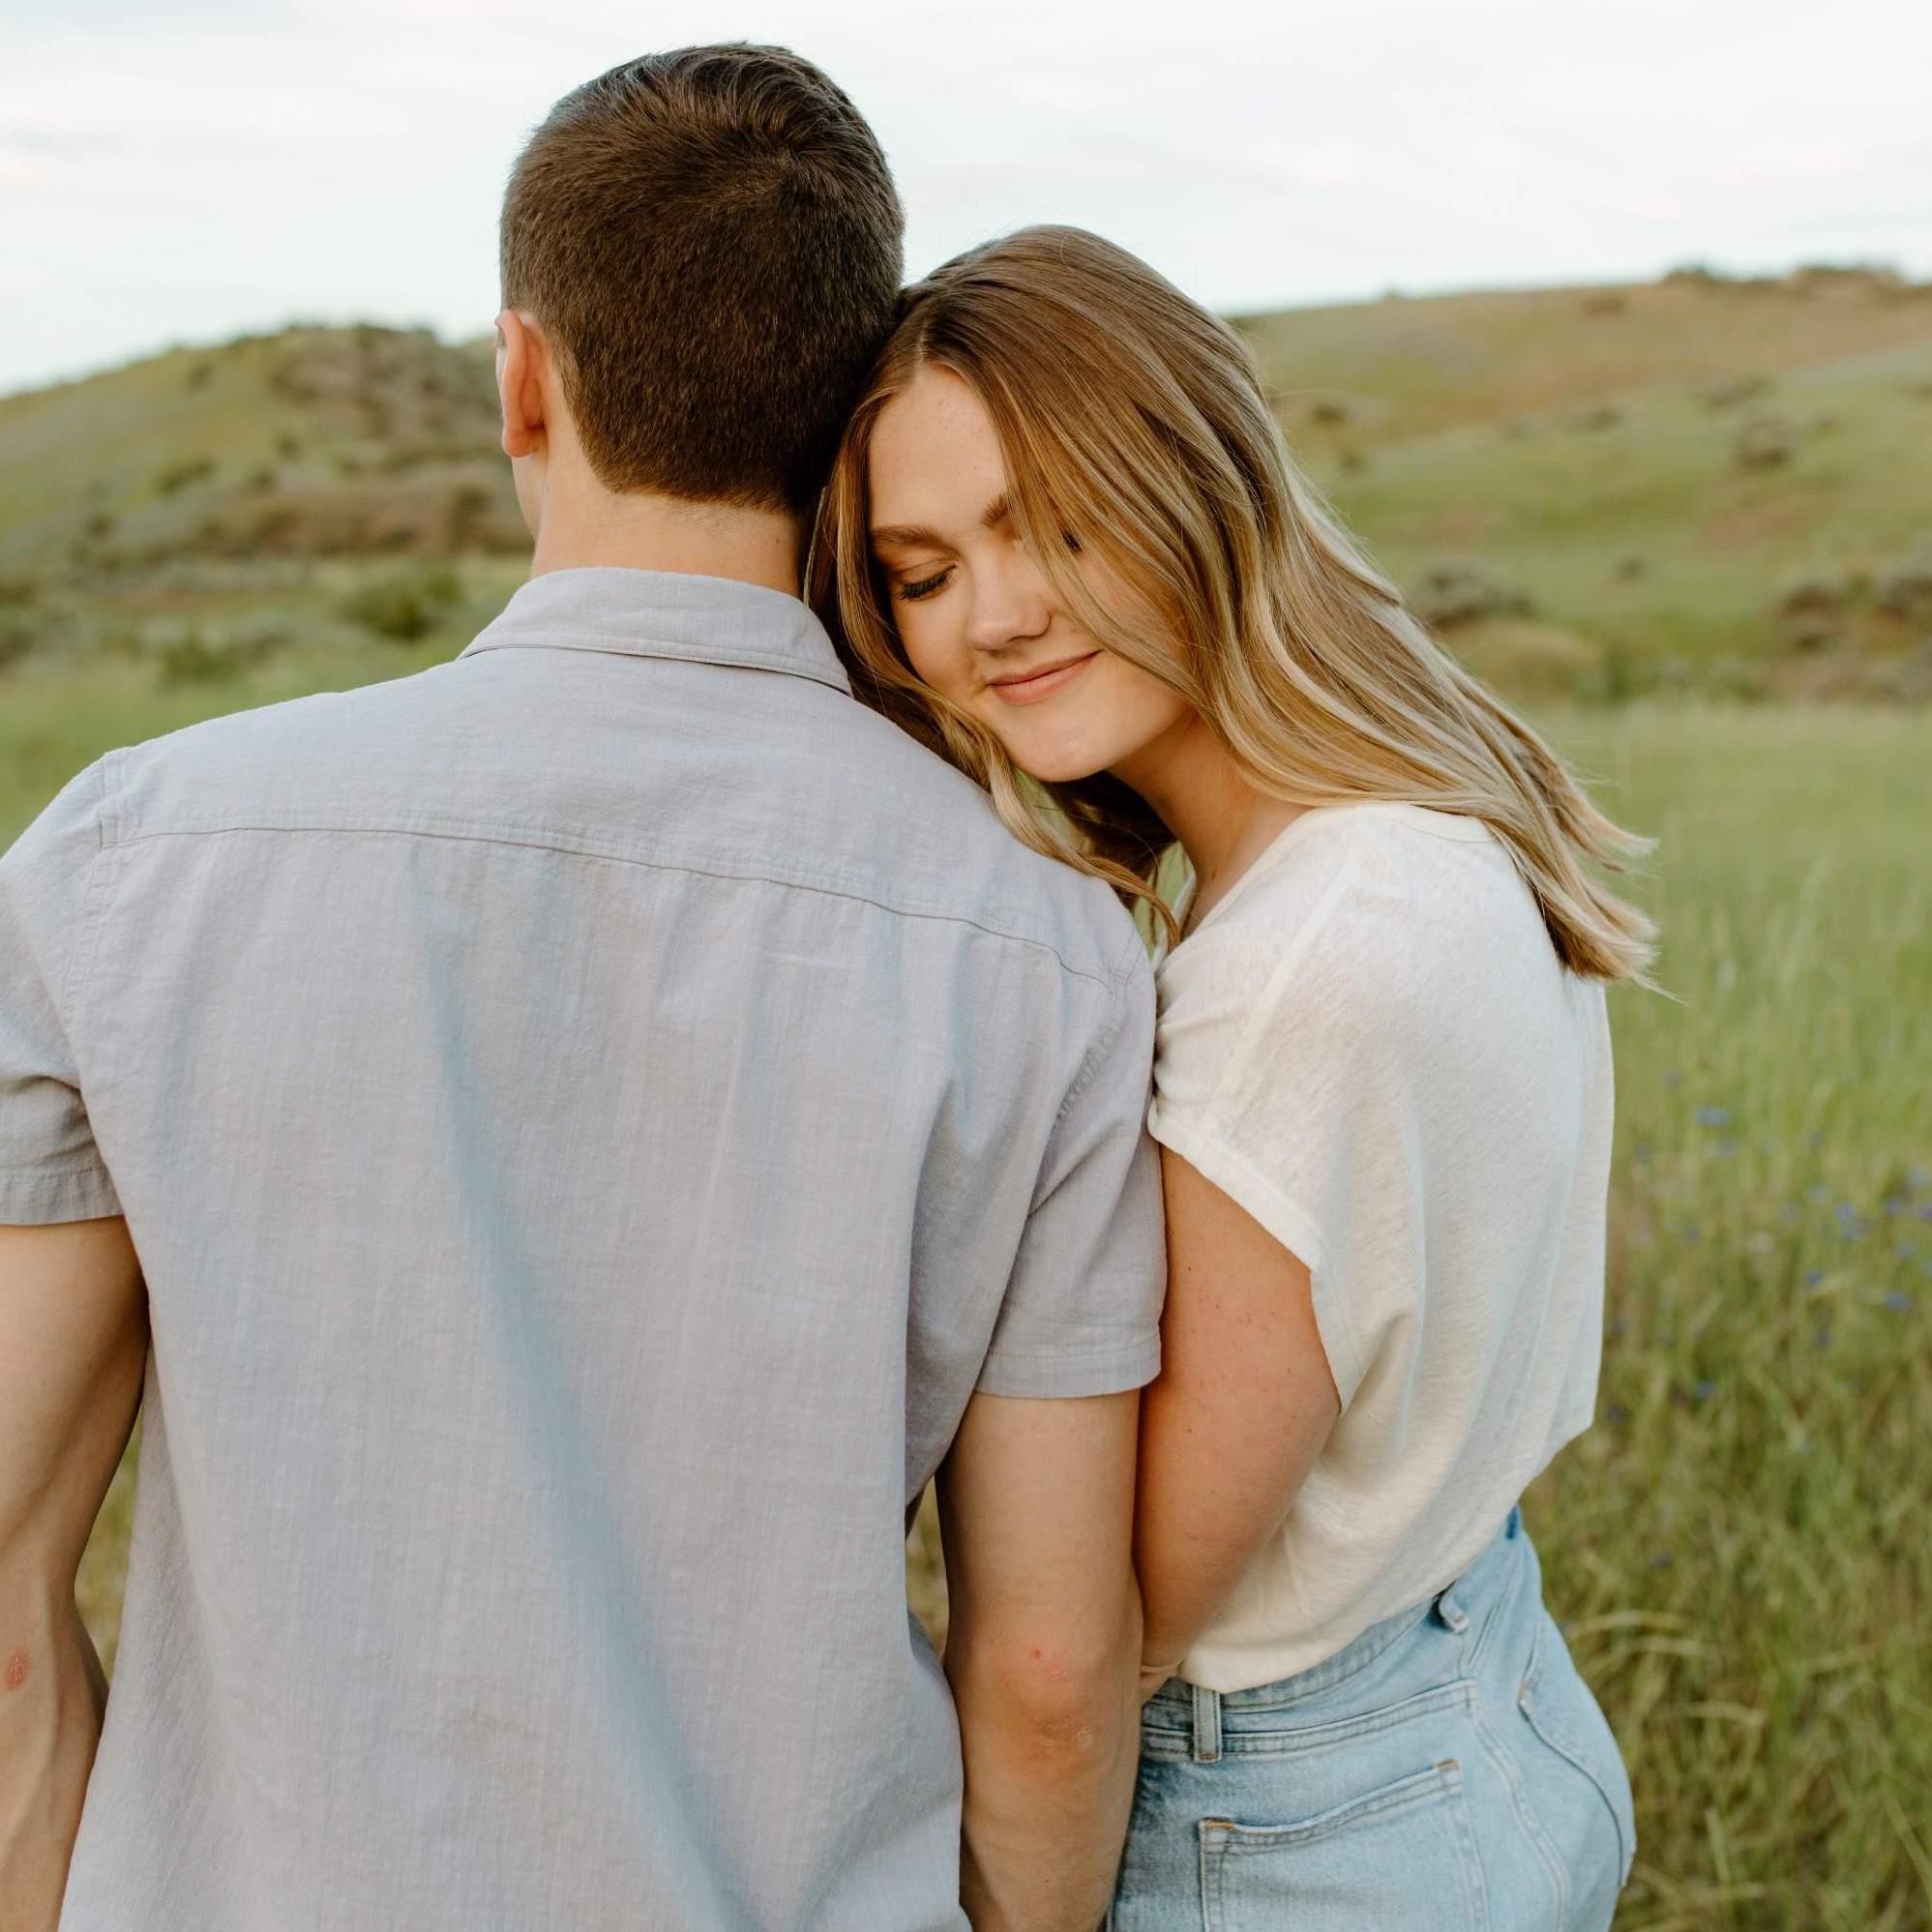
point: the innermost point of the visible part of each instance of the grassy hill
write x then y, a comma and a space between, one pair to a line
1598, 491
311, 442
1701, 483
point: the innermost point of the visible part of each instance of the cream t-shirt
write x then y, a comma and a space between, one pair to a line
1370, 1045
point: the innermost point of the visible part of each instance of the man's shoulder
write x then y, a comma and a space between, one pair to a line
943, 843
233, 742
854, 804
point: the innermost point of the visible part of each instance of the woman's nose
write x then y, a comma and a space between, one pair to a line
1009, 602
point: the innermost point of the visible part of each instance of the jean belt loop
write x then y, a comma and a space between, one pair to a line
1206, 1725
1449, 1612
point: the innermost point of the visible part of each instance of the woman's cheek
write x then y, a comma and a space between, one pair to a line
932, 664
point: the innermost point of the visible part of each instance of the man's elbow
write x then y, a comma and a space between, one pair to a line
1051, 1699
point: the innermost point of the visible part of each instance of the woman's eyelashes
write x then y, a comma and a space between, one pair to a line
911, 593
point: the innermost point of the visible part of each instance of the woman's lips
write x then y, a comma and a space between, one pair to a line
1030, 690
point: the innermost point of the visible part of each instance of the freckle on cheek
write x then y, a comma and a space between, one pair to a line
17, 1670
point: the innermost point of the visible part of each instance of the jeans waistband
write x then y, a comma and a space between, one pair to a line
1198, 1710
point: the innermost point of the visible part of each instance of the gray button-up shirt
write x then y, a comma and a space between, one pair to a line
589, 1116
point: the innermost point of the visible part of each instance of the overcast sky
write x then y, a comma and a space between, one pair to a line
182, 172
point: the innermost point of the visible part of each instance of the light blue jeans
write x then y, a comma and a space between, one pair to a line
1447, 1770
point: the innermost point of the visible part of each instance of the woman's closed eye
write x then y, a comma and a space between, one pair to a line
925, 586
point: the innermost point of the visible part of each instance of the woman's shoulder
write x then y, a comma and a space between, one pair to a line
1351, 869
1367, 906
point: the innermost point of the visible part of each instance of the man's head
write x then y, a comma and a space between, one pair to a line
709, 244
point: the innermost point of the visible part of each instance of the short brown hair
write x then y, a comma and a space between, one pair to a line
710, 241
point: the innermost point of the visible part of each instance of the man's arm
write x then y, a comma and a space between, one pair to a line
73, 1352
1037, 1506
1241, 1409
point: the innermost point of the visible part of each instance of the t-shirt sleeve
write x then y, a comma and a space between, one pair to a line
51, 879
1083, 1306
1279, 1081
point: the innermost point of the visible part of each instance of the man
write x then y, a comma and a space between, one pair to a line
589, 1131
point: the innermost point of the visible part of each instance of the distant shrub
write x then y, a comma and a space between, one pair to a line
259, 482
470, 506
18, 592
1602, 416
288, 446
1730, 391
16, 639
1330, 412
192, 660
1628, 569
1764, 443
179, 475
1605, 302
194, 657
403, 608
1814, 606
199, 376
272, 529
1452, 593
1531, 661
1905, 588
98, 527
1621, 676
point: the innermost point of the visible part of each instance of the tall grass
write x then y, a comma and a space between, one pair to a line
1740, 1546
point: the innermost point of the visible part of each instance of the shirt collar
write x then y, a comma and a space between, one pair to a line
658, 613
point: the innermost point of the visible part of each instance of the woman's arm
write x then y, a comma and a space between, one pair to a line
1243, 1404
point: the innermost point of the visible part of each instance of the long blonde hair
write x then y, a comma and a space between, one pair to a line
1130, 416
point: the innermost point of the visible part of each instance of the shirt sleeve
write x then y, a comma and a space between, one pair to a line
1082, 1307
1282, 1081
51, 879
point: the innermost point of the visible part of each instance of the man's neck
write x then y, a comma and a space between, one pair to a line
649, 533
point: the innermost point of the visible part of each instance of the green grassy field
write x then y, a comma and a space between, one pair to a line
1738, 1548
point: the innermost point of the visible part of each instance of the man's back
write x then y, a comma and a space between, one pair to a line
589, 1116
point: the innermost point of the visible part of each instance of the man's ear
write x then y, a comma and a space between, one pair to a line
519, 361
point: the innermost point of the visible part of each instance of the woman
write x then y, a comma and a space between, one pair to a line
1065, 546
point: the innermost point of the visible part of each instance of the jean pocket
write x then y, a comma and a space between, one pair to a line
1404, 1854
1563, 1715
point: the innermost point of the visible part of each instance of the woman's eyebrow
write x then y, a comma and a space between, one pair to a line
905, 537
916, 536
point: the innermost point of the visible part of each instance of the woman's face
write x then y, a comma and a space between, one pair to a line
977, 618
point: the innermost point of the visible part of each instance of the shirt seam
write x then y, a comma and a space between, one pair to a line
1097, 1053
1101, 1349
832, 676
1106, 979
71, 988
